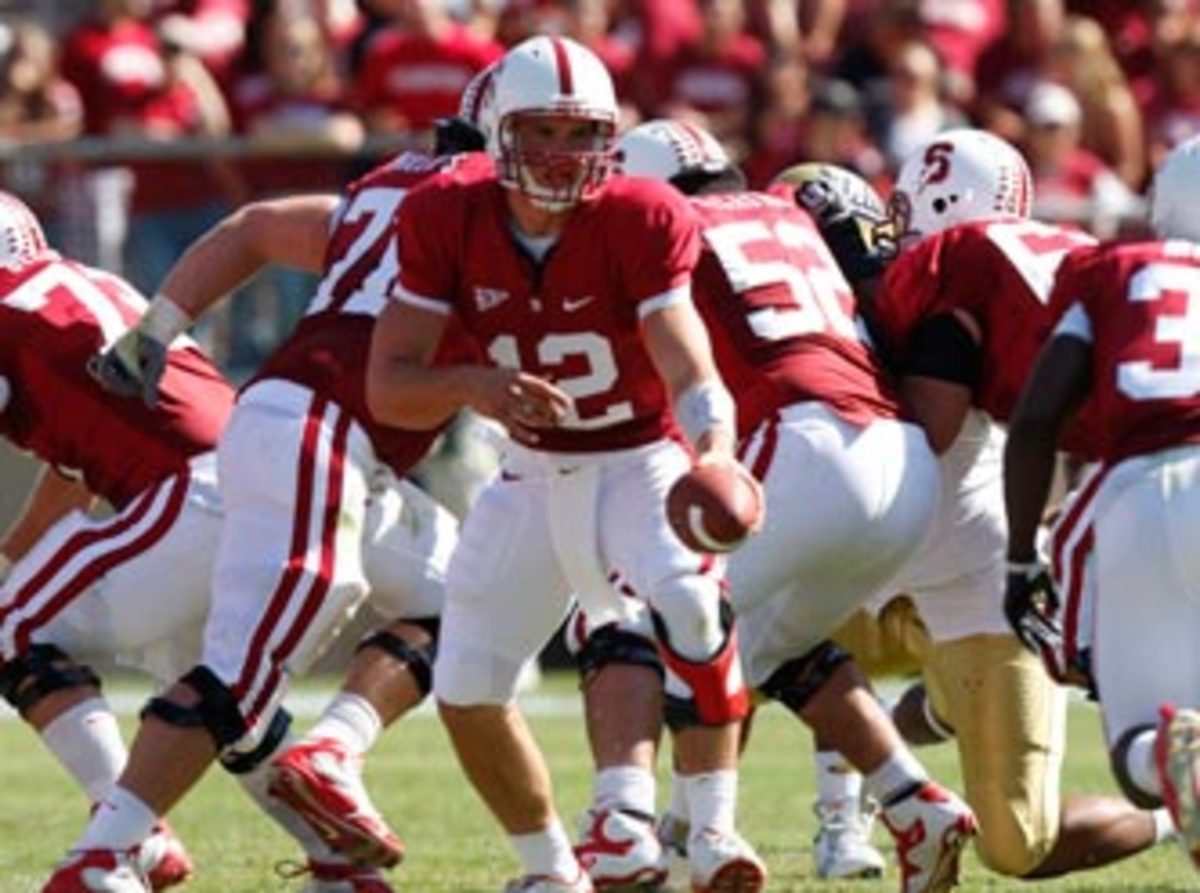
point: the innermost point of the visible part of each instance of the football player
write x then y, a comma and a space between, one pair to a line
577, 287
960, 313
314, 518
818, 421
1123, 345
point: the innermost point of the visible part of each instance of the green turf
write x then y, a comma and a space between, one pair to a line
454, 846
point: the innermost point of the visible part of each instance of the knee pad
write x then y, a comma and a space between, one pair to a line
42, 670
216, 712
242, 762
1118, 758
612, 645
418, 658
718, 693
693, 614
796, 682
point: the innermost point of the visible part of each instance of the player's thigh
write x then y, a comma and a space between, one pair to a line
1009, 720
409, 539
289, 569
505, 594
1147, 613
846, 507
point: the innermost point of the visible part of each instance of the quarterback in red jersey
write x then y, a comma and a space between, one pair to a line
960, 313
316, 523
782, 319
1125, 341
576, 286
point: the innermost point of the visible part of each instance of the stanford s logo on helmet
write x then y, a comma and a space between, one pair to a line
958, 177
552, 77
665, 149
21, 238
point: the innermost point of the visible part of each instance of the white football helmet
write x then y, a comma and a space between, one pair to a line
21, 238
552, 77
1175, 193
476, 104
956, 177
664, 149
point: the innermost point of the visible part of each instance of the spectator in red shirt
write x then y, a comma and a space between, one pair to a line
134, 86
718, 78
214, 31
1174, 113
415, 70
1070, 184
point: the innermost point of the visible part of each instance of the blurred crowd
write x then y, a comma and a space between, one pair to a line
1093, 91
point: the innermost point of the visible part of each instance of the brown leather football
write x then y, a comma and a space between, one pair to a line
713, 507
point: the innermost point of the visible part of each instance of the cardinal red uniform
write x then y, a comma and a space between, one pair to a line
1136, 306
309, 477
95, 586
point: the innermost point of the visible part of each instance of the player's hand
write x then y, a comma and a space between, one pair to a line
133, 366
1031, 606
521, 402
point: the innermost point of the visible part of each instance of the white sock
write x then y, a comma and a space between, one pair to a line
712, 800
255, 783
121, 821
837, 780
1164, 826
1139, 763
547, 852
88, 743
624, 787
349, 719
897, 774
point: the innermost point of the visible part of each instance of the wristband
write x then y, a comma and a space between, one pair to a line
164, 320
704, 406
1024, 568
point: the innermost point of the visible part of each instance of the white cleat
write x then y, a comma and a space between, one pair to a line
842, 848
722, 862
1177, 758
98, 871
931, 826
620, 852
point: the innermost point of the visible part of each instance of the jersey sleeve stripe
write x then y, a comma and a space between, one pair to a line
404, 296
680, 294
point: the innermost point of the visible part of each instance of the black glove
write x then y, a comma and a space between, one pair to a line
133, 366
1031, 606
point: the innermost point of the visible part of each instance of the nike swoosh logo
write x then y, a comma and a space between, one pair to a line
572, 304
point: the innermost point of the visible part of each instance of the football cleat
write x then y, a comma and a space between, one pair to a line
544, 883
620, 852
163, 859
722, 862
931, 826
322, 781
1177, 758
98, 871
842, 848
335, 877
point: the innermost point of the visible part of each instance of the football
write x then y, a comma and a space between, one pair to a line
714, 507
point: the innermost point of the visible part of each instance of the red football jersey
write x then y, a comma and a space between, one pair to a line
328, 350
1143, 303
54, 316
573, 318
1000, 272
782, 318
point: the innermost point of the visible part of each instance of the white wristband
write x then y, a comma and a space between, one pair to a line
164, 320
1024, 568
704, 406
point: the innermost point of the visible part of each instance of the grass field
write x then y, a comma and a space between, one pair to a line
453, 844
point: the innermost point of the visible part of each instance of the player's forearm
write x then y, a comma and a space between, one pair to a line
53, 497
1029, 459
409, 395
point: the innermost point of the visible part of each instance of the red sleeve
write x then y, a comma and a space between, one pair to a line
1069, 284
667, 246
911, 291
424, 224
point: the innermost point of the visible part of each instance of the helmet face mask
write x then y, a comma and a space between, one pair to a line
551, 121
959, 176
